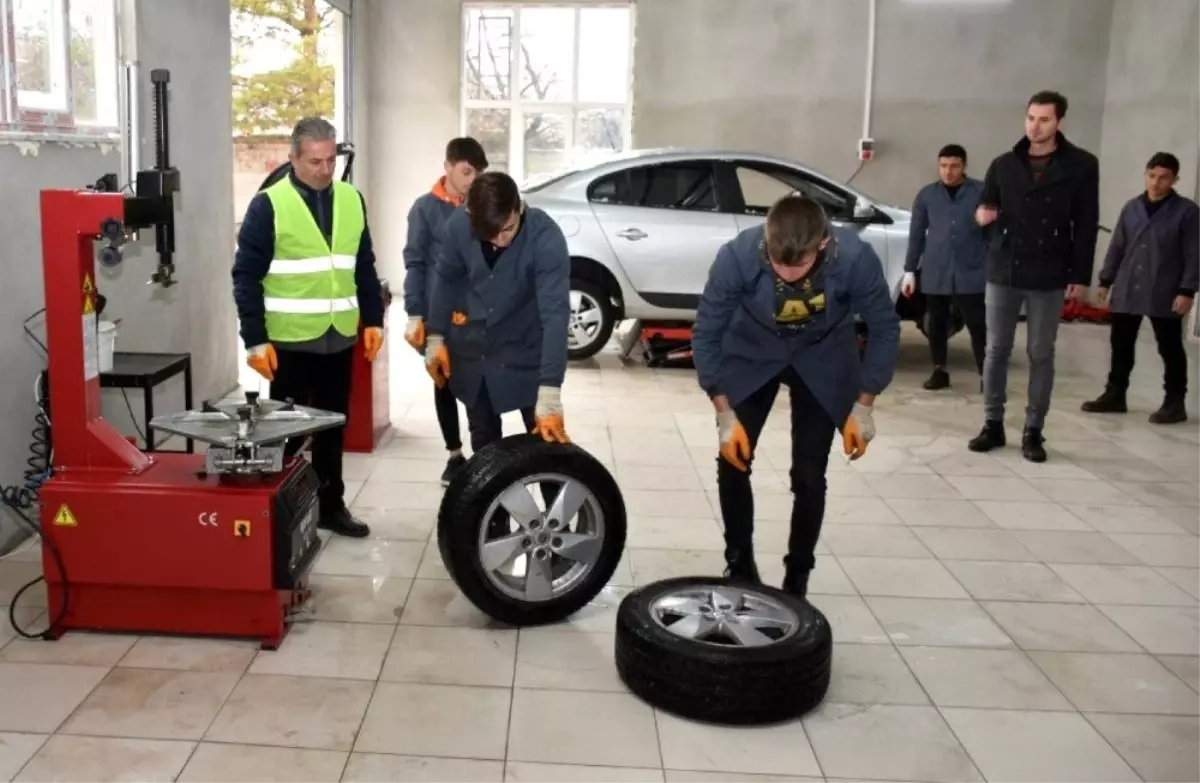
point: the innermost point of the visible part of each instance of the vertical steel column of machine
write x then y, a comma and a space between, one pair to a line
83, 441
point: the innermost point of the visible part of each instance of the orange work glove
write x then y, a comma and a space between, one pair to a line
262, 359
548, 419
372, 342
414, 332
858, 431
735, 443
437, 360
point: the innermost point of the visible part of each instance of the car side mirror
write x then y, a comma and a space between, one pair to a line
864, 211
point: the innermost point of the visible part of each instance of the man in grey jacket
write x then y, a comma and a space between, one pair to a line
1152, 269
947, 245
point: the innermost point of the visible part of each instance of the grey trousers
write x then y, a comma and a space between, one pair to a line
1043, 310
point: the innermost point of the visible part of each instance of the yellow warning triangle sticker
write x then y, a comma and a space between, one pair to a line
88, 307
64, 517
87, 284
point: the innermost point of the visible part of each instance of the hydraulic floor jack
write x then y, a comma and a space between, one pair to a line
212, 544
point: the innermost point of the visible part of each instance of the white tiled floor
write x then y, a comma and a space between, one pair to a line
994, 619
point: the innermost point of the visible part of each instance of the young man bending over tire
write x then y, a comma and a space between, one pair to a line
499, 312
779, 308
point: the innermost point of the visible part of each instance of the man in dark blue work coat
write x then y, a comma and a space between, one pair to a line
779, 308
465, 160
947, 244
499, 312
1152, 269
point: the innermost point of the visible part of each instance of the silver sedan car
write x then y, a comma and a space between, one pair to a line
644, 228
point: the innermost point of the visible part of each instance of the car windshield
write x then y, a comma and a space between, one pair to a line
536, 183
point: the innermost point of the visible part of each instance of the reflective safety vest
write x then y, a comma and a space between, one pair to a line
310, 285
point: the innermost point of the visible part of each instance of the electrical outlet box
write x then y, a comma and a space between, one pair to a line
866, 149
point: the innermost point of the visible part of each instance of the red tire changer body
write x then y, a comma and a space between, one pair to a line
211, 544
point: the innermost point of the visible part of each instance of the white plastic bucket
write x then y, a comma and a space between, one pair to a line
107, 344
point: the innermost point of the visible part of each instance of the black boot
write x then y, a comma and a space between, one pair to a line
1112, 401
740, 566
990, 437
939, 380
1173, 411
795, 578
453, 466
1031, 445
340, 521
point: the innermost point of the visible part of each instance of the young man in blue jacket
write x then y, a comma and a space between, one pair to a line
1152, 269
779, 308
465, 159
304, 279
949, 248
498, 316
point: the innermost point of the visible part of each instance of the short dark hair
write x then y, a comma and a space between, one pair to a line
1164, 160
795, 226
466, 149
1050, 98
491, 201
953, 151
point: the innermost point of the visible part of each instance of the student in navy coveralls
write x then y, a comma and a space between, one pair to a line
1152, 270
779, 308
465, 160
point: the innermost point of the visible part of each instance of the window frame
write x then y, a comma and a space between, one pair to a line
738, 204
39, 120
714, 178
517, 108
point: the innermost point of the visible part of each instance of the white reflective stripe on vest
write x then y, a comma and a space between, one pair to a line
307, 266
309, 306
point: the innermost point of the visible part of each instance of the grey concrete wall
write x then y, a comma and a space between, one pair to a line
1152, 100
196, 316
413, 92
789, 76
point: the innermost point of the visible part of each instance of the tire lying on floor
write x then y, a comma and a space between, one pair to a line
708, 650
531, 531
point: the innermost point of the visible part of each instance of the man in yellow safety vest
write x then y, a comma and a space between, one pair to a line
303, 278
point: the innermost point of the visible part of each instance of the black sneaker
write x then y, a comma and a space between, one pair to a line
1031, 445
939, 380
740, 567
1111, 401
453, 465
1173, 411
341, 523
990, 437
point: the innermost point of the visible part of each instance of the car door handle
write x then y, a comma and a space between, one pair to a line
632, 234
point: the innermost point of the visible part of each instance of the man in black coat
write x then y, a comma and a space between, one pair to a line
1152, 269
1041, 202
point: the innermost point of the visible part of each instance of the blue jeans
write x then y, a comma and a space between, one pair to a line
1043, 310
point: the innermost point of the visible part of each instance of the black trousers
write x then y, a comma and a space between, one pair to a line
447, 415
484, 423
320, 380
974, 315
812, 437
1168, 333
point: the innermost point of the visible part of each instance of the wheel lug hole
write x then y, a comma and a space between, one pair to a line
526, 543
556, 543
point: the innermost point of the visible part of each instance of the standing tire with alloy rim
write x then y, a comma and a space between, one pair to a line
531, 531
710, 650
592, 319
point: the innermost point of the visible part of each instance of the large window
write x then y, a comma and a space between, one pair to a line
59, 71
545, 87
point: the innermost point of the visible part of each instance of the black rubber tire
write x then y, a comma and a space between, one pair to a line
718, 684
607, 312
489, 472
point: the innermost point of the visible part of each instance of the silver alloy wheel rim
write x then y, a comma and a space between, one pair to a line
546, 556
586, 319
724, 615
